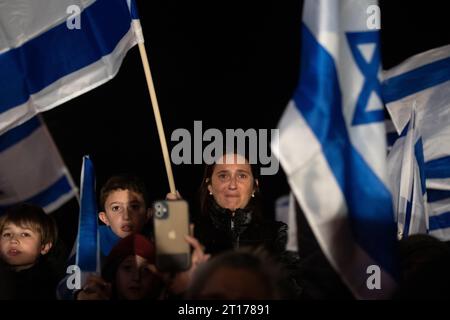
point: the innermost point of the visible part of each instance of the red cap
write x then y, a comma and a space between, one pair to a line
134, 244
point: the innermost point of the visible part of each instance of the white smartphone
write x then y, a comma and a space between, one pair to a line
171, 225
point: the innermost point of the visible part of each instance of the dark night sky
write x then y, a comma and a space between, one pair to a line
231, 64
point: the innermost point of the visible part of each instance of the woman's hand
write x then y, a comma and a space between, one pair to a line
95, 289
174, 196
182, 280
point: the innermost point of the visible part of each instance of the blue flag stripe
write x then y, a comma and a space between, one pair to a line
49, 195
434, 195
319, 101
416, 80
408, 216
391, 138
133, 9
61, 51
19, 133
87, 234
418, 152
438, 168
440, 221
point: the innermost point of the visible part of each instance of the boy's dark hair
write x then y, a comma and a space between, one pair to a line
123, 182
33, 217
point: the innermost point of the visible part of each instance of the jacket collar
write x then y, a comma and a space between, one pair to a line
225, 220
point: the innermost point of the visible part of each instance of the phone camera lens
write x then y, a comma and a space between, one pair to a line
160, 210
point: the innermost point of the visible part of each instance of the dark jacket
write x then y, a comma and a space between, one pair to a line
6, 284
36, 283
220, 231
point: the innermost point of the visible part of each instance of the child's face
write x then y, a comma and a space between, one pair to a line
136, 279
20, 247
125, 212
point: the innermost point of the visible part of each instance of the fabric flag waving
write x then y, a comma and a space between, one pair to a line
46, 59
31, 169
88, 253
332, 145
424, 79
407, 180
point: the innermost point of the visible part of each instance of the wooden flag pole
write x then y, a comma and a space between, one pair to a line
148, 76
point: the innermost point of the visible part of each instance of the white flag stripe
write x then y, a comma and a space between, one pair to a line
25, 19
439, 184
28, 167
441, 234
439, 207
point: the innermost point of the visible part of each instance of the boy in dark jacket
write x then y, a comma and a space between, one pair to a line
27, 235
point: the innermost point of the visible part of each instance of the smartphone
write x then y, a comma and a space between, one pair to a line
171, 225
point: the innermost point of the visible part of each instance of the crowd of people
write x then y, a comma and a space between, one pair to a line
237, 253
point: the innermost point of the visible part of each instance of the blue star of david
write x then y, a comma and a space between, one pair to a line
369, 70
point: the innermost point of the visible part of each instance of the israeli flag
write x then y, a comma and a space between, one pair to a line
424, 80
407, 180
332, 145
54, 50
31, 169
88, 249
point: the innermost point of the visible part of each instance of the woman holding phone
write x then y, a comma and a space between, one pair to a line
231, 215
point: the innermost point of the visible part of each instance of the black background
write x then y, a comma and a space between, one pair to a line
230, 64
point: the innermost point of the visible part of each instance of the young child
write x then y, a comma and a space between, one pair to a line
128, 274
27, 235
124, 211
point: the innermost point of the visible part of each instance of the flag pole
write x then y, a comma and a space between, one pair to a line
148, 76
